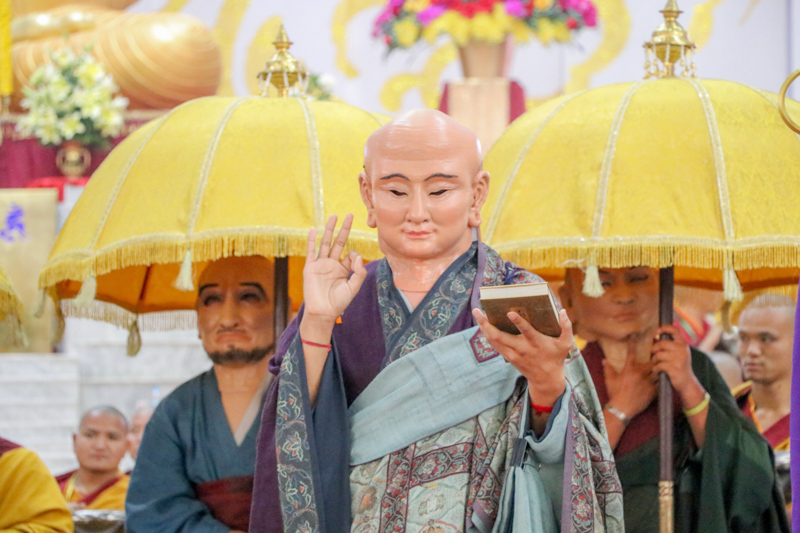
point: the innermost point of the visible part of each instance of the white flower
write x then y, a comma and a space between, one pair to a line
326, 82
48, 134
58, 90
110, 122
88, 74
71, 125
90, 104
120, 103
64, 58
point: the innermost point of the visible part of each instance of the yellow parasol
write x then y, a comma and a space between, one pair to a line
696, 174
695, 177
214, 177
10, 309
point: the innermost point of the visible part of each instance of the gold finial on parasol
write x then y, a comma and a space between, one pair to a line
283, 70
669, 45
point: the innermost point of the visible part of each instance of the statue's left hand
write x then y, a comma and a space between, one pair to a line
538, 357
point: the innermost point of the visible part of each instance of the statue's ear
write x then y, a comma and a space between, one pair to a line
480, 191
365, 186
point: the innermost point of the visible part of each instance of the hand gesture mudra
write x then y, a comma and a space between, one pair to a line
329, 285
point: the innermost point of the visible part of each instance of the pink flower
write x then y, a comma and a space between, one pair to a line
516, 8
590, 15
380, 21
585, 8
429, 14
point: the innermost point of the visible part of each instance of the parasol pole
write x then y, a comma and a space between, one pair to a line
283, 72
666, 502
668, 48
281, 295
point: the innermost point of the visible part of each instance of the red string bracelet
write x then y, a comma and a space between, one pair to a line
541, 408
318, 345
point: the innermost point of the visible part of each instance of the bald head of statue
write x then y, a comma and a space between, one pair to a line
423, 185
235, 308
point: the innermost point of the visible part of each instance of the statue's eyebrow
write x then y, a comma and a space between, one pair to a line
255, 285
206, 286
437, 175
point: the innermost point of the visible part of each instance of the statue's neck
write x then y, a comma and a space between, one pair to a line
412, 274
244, 378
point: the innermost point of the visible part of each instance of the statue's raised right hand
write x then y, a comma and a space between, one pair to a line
329, 285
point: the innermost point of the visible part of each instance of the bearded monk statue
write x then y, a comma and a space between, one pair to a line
159, 60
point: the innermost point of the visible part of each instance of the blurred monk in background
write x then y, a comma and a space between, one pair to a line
766, 334
100, 444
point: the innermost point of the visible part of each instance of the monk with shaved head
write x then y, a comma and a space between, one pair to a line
396, 405
99, 444
194, 468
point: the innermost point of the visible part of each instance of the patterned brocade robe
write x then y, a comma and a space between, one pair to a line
420, 425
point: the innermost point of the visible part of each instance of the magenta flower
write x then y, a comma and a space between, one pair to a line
429, 14
585, 8
590, 15
516, 8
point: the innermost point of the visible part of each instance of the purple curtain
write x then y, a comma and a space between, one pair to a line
794, 421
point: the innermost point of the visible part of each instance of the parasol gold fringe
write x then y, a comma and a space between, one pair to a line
122, 318
657, 255
11, 314
84, 265
10, 305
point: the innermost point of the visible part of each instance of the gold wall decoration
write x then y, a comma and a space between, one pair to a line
260, 50
175, 5
616, 21
227, 29
344, 13
426, 81
703, 22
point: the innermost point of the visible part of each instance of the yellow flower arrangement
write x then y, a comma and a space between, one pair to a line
404, 22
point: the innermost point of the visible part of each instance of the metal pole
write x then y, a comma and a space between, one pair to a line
281, 294
666, 476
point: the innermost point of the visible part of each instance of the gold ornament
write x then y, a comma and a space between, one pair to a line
159, 60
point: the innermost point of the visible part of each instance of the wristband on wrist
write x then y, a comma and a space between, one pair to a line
315, 344
618, 413
699, 407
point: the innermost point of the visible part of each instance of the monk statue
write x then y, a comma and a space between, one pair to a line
194, 466
159, 60
396, 405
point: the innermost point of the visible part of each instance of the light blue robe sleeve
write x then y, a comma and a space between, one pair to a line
533, 490
160, 497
